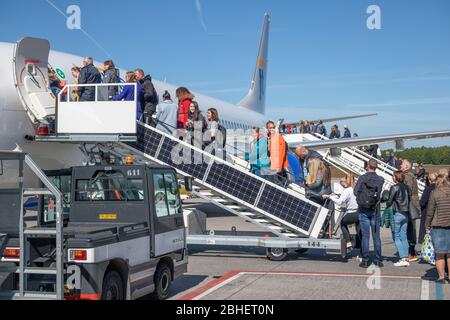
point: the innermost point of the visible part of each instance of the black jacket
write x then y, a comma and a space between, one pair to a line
335, 134
88, 75
112, 75
399, 197
426, 196
149, 96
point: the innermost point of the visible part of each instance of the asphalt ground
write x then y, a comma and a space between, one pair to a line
242, 273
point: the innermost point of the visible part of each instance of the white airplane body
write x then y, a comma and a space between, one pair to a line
16, 122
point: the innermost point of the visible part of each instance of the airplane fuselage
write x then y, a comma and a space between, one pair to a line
15, 123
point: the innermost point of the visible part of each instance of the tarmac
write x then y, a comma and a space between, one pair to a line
242, 273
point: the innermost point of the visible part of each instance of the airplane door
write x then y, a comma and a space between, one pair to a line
31, 79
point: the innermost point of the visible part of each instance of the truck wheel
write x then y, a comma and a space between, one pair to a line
277, 254
112, 286
163, 281
302, 250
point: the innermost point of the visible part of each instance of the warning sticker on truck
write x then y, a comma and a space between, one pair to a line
107, 216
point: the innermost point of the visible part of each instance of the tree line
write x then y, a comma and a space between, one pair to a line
425, 155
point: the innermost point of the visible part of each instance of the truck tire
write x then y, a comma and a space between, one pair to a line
277, 254
112, 286
163, 282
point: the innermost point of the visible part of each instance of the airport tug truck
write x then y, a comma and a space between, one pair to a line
120, 226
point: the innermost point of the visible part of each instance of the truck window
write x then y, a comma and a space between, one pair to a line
167, 201
63, 183
159, 188
106, 186
172, 193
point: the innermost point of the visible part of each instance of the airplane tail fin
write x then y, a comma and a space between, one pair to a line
256, 97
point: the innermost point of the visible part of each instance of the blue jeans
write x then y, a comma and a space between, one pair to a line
401, 235
370, 220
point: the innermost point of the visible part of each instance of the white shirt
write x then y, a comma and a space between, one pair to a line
347, 200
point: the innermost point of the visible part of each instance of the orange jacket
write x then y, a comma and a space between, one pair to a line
278, 153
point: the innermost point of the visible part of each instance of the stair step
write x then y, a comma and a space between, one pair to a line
14, 295
233, 207
40, 295
275, 227
9, 269
36, 191
291, 235
40, 270
40, 231
207, 194
248, 214
261, 220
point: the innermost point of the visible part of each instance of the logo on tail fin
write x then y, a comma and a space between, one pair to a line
261, 66
261, 63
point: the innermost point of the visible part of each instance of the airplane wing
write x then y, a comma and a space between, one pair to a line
359, 141
337, 118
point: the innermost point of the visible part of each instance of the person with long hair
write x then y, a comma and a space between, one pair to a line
347, 202
399, 199
438, 221
185, 98
75, 74
195, 121
213, 122
127, 93
216, 139
318, 182
111, 75
258, 156
429, 188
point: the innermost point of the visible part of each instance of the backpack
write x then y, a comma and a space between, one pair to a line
368, 195
223, 132
155, 97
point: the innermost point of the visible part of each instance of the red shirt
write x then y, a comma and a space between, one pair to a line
183, 113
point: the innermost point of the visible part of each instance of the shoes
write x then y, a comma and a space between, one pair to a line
402, 263
441, 281
364, 264
379, 264
413, 259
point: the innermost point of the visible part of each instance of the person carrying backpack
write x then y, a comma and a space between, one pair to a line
149, 96
368, 196
217, 134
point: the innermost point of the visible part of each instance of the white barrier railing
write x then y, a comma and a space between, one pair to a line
97, 114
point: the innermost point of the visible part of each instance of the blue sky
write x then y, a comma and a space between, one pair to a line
323, 60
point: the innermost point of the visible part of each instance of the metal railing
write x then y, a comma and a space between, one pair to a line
65, 94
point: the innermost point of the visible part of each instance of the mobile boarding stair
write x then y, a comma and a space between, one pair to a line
12, 221
352, 159
289, 219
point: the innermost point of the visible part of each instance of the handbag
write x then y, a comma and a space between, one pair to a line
414, 212
427, 251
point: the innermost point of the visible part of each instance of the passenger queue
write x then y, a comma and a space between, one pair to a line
270, 159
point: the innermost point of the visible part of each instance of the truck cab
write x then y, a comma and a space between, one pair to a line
124, 234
